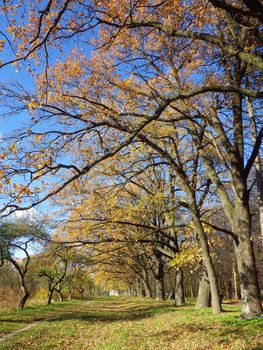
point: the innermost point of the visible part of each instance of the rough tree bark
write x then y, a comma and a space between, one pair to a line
258, 166
147, 288
208, 263
204, 293
159, 277
246, 265
179, 288
159, 288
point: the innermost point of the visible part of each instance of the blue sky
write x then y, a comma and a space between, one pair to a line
19, 74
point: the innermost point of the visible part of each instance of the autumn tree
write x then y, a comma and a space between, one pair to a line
143, 197
53, 267
185, 64
19, 238
78, 278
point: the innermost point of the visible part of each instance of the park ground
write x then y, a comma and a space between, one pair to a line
127, 324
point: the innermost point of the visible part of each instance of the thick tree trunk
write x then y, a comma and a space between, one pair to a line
146, 284
204, 294
207, 261
259, 180
229, 289
246, 265
235, 282
138, 288
159, 278
179, 288
160, 295
147, 289
261, 219
191, 289
237, 295
258, 167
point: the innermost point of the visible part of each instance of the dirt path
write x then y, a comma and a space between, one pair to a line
34, 324
12, 334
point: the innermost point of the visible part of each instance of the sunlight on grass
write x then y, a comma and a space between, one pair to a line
131, 324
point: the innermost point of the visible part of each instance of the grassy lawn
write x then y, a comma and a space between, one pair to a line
130, 323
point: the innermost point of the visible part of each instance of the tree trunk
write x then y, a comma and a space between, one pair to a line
259, 177
259, 180
179, 288
191, 287
229, 290
22, 273
25, 292
147, 289
246, 265
146, 284
159, 288
235, 282
138, 288
159, 278
50, 295
71, 292
61, 298
58, 290
204, 295
24, 298
207, 261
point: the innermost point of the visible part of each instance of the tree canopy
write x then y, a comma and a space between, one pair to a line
142, 116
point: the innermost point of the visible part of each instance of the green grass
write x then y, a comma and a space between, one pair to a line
130, 323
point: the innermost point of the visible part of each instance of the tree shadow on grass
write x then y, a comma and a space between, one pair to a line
110, 314
113, 310
222, 335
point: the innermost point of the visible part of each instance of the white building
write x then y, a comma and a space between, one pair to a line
114, 293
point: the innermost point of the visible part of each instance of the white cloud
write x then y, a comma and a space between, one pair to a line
25, 214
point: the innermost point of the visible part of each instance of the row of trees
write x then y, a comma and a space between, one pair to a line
142, 233
53, 270
171, 87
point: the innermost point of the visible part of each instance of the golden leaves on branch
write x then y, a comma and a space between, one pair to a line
3, 155
190, 255
2, 45
33, 104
